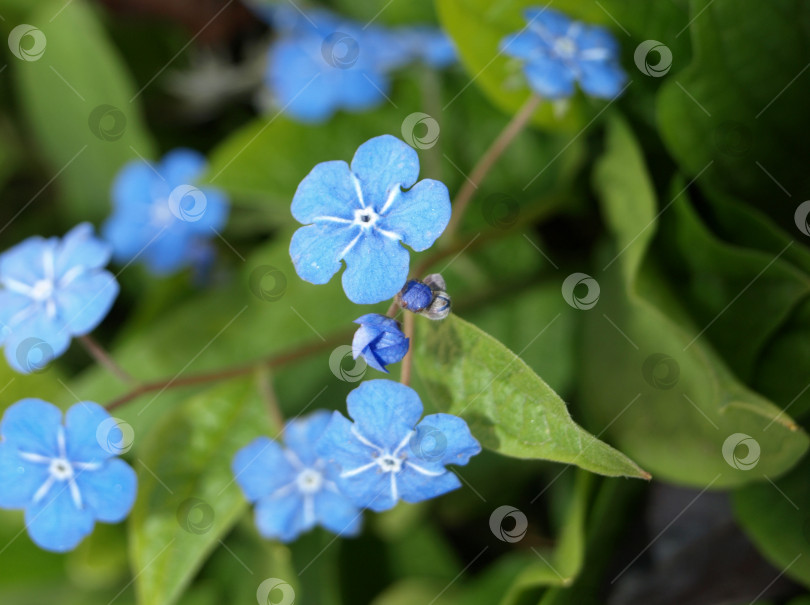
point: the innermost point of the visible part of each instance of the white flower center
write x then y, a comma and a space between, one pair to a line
365, 217
565, 47
42, 290
160, 213
309, 481
390, 463
60, 469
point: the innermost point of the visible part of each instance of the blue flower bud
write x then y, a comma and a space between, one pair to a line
415, 296
379, 341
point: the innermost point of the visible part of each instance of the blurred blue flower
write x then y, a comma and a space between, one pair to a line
159, 216
379, 340
50, 291
557, 52
362, 214
65, 477
322, 63
385, 456
293, 489
415, 295
427, 44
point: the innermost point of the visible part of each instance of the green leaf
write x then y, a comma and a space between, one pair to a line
741, 101
774, 515
560, 565
509, 408
187, 497
693, 404
81, 105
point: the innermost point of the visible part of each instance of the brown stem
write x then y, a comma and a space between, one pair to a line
98, 353
269, 362
407, 362
487, 161
268, 393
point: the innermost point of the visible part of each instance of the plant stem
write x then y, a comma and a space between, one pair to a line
268, 393
487, 161
407, 361
98, 353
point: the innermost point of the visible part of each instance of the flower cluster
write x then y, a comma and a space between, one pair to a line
65, 476
323, 62
333, 468
557, 52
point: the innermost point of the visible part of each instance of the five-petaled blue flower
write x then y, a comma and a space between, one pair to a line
323, 63
379, 340
65, 477
362, 215
557, 52
50, 291
159, 216
293, 488
385, 456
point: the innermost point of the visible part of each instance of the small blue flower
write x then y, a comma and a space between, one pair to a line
324, 63
50, 291
293, 489
379, 340
385, 456
65, 477
428, 44
159, 216
415, 296
557, 52
362, 215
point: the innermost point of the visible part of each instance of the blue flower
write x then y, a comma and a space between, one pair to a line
379, 340
415, 296
159, 217
50, 291
65, 477
293, 489
385, 456
361, 214
324, 63
428, 44
557, 52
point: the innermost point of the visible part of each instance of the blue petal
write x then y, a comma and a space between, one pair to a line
23, 262
415, 486
80, 248
596, 38
327, 191
442, 439
377, 321
301, 435
133, 184
316, 250
391, 348
261, 468
376, 268
419, 215
370, 489
361, 89
110, 491
339, 446
385, 411
374, 361
89, 431
381, 164
168, 252
548, 21
215, 215
32, 425
85, 302
523, 45
128, 231
601, 79
549, 77
13, 307
33, 343
55, 523
182, 166
19, 478
336, 513
362, 339
282, 518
